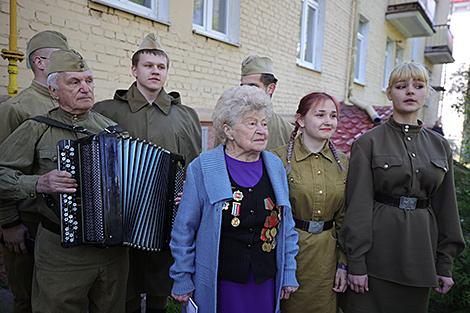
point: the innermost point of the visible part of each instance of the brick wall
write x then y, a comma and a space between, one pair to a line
201, 67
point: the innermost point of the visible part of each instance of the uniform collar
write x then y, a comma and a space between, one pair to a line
69, 117
43, 90
405, 128
301, 151
137, 100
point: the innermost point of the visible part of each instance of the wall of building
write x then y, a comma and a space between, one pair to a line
201, 68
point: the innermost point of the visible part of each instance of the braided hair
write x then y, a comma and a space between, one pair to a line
304, 106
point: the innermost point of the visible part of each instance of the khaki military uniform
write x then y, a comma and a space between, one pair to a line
405, 247
173, 126
316, 192
279, 132
65, 280
32, 101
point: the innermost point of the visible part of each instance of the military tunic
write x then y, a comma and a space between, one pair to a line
173, 126
63, 278
396, 246
279, 132
316, 191
32, 101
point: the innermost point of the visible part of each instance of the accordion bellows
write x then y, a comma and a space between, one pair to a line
125, 195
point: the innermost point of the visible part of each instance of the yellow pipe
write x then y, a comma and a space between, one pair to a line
12, 54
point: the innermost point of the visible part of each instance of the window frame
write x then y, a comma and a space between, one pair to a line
158, 12
232, 22
389, 62
318, 33
361, 51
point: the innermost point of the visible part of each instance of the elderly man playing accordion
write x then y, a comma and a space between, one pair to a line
65, 280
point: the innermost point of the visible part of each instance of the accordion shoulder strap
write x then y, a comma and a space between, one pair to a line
55, 123
77, 129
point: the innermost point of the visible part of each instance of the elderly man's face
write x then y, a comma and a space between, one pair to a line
75, 93
250, 133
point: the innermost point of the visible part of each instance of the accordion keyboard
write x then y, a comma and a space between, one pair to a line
69, 202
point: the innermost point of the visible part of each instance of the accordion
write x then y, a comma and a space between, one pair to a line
125, 195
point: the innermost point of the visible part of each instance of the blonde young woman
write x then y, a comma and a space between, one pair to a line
316, 174
401, 230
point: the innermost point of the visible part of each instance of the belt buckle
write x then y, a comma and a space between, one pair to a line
408, 203
315, 227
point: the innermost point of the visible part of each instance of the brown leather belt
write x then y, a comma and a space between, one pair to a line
403, 202
314, 227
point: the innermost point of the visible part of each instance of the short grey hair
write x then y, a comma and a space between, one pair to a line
52, 80
234, 103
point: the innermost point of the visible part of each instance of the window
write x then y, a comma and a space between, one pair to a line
218, 19
389, 62
309, 51
399, 52
361, 49
152, 9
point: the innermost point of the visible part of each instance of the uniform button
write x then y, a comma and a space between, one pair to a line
413, 154
316, 156
406, 130
386, 165
251, 230
249, 246
417, 171
445, 169
319, 172
320, 192
31, 195
250, 190
408, 138
291, 180
252, 212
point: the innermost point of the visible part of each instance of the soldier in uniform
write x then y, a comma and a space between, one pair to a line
147, 111
258, 71
73, 279
19, 227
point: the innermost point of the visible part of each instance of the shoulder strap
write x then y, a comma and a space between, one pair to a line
55, 123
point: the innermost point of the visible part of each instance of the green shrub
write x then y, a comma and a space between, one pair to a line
458, 299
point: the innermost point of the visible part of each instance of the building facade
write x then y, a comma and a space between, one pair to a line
344, 47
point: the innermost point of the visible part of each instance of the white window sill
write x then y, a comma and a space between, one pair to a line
360, 83
215, 36
308, 66
142, 13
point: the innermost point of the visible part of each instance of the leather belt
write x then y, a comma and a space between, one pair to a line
50, 225
314, 227
403, 202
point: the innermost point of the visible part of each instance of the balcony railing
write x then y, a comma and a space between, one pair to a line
411, 18
439, 47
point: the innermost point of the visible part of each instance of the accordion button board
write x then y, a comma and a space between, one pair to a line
69, 202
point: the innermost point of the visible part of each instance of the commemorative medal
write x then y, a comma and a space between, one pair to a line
237, 195
268, 204
226, 205
273, 232
266, 247
235, 221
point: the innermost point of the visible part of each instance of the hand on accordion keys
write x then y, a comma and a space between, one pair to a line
56, 182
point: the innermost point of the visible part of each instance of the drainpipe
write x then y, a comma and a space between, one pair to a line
12, 54
350, 100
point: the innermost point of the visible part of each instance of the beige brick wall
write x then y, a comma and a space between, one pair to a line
201, 67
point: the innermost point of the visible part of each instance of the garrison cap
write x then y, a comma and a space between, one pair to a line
66, 61
150, 42
45, 39
254, 64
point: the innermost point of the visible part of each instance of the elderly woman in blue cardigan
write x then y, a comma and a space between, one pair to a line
233, 239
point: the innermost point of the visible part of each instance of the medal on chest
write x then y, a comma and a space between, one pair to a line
271, 225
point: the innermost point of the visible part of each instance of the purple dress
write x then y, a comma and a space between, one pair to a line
249, 297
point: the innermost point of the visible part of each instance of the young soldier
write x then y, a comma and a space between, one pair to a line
65, 279
19, 227
258, 71
147, 111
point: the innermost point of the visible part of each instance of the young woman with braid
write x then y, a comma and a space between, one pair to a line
316, 174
